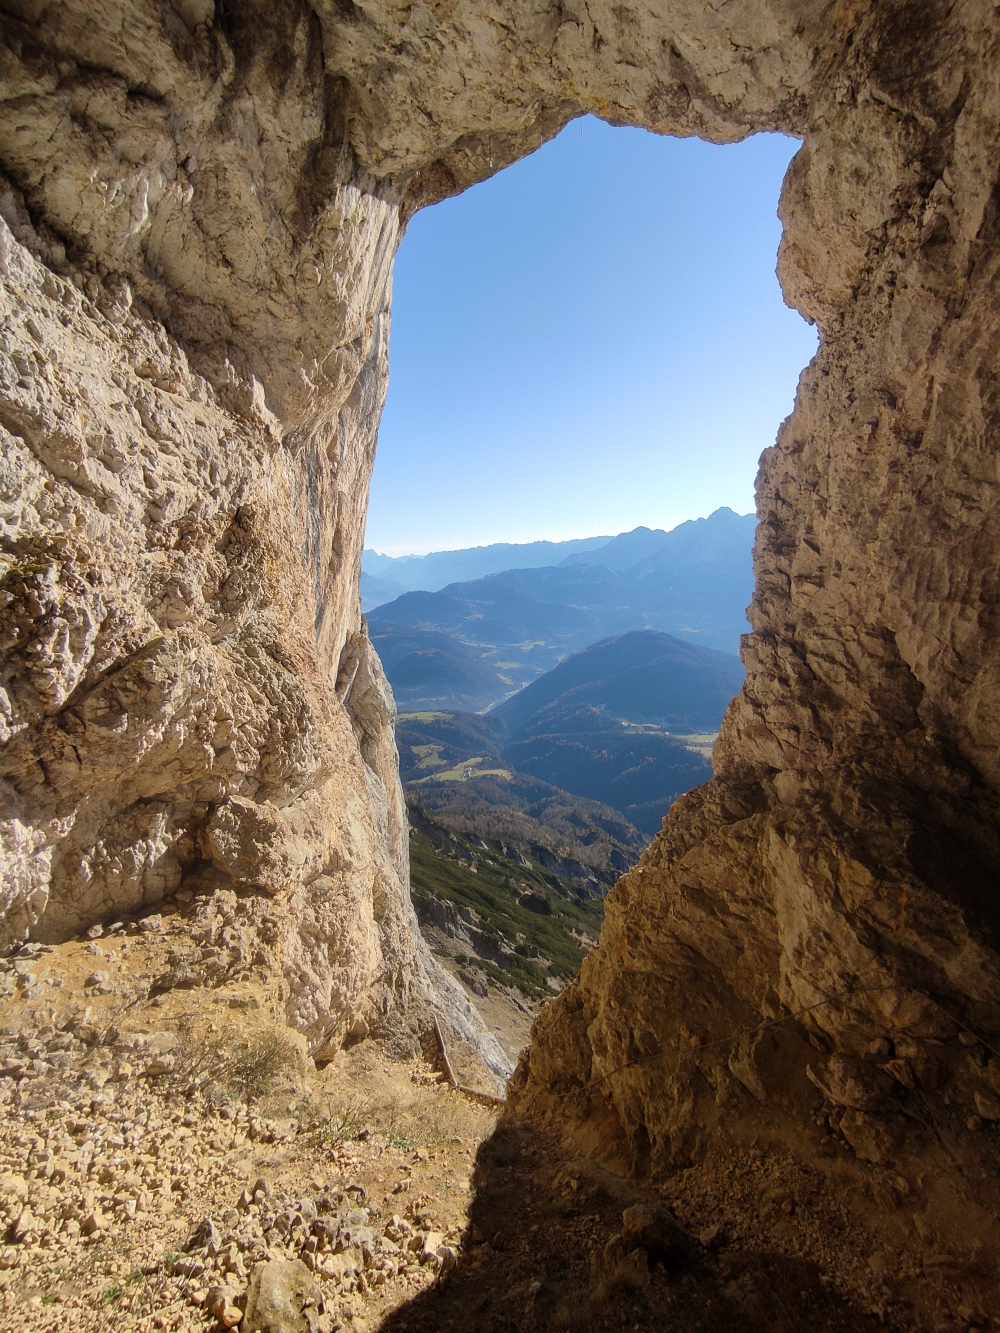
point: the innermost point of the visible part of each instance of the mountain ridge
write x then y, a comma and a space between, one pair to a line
508, 628
574, 729
437, 569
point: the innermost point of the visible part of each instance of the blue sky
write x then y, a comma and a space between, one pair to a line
591, 340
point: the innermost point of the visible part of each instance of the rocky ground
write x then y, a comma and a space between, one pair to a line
506, 1011
170, 1159
159, 1146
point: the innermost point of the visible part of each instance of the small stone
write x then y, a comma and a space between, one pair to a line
162, 1064
94, 1221
987, 1105
973, 1123
96, 979
712, 1237
432, 1242
158, 1043
448, 1256
14, 1184
653, 1228
95, 932
151, 924
282, 1298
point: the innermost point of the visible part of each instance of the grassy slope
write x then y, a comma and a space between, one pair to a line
523, 810
513, 931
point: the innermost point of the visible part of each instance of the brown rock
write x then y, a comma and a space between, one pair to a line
655, 1229
873, 1139
987, 1105
282, 1297
218, 1299
853, 1083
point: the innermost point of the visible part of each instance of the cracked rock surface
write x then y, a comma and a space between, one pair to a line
201, 208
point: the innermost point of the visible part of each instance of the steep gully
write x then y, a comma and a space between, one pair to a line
201, 208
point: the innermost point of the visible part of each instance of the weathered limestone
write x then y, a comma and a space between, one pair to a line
201, 218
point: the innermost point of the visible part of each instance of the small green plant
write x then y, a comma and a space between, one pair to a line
113, 1294
252, 1066
342, 1125
50, 1299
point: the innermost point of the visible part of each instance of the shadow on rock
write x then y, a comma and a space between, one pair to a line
567, 1245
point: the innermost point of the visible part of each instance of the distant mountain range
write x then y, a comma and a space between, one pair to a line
429, 573
640, 678
388, 577
627, 723
470, 645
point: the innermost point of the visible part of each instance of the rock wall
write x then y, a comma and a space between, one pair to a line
202, 209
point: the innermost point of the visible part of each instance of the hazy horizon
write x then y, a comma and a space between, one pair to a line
528, 541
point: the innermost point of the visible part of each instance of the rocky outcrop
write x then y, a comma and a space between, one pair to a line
202, 210
192, 375
813, 935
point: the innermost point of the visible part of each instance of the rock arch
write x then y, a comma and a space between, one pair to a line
201, 208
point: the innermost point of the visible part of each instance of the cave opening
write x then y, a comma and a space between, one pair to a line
203, 205
591, 341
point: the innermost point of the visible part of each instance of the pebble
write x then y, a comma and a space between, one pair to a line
103, 1145
653, 1228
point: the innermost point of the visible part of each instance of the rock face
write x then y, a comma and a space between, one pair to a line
194, 360
202, 208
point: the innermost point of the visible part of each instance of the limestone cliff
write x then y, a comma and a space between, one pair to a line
202, 209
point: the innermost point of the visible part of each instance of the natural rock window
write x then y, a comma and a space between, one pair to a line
201, 205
